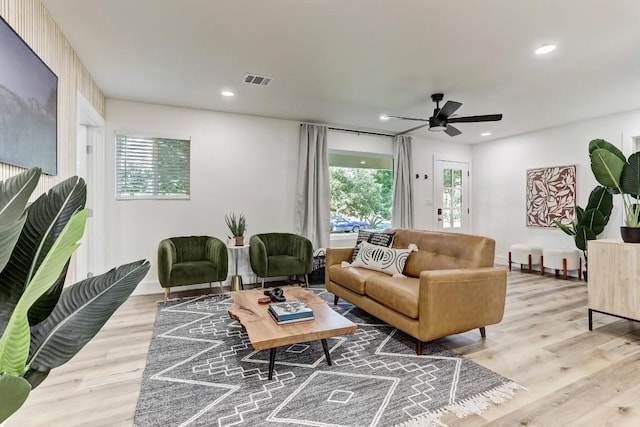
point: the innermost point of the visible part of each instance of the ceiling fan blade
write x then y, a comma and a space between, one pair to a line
448, 109
407, 118
411, 130
470, 119
451, 131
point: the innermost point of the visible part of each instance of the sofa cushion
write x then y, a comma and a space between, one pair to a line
444, 251
190, 272
386, 260
399, 294
352, 278
375, 238
285, 265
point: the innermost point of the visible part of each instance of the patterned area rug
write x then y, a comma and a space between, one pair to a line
202, 371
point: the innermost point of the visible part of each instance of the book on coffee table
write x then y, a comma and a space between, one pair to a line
284, 322
290, 311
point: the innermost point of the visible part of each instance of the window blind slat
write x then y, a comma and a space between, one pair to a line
152, 167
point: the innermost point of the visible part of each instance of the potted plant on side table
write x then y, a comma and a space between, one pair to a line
620, 176
590, 221
237, 226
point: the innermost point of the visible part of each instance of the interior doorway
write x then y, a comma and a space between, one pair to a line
89, 257
451, 196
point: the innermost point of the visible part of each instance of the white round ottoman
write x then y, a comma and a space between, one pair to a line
521, 253
562, 259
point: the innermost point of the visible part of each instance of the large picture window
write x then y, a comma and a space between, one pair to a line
361, 192
152, 168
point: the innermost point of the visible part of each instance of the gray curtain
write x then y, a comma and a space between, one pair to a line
312, 196
402, 213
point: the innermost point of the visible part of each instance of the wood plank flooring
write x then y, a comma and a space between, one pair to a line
574, 377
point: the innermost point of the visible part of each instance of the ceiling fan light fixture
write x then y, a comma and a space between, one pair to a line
543, 50
437, 128
384, 117
485, 134
227, 93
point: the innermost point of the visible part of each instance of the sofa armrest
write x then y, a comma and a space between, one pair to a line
453, 301
258, 256
216, 252
302, 248
167, 256
337, 255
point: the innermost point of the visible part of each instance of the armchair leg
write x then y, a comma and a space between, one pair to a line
210, 289
306, 279
418, 347
335, 300
221, 289
263, 283
483, 332
167, 292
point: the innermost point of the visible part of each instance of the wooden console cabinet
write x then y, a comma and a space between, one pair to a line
614, 279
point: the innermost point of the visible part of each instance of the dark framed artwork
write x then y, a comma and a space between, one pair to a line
551, 195
28, 105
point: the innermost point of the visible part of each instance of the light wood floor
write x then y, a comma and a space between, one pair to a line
574, 377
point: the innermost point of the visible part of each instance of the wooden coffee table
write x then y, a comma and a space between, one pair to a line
264, 333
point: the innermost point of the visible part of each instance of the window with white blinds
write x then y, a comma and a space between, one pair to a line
152, 168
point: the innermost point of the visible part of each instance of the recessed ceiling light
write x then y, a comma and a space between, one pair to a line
227, 93
545, 49
485, 134
384, 117
363, 162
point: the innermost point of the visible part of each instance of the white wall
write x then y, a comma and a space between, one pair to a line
238, 164
424, 152
499, 184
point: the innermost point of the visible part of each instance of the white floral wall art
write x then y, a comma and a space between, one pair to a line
551, 195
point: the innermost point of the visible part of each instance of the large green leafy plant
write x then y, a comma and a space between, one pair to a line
42, 324
590, 221
619, 174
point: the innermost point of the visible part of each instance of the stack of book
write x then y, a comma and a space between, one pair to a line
290, 311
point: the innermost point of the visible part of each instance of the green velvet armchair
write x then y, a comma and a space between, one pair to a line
280, 254
191, 260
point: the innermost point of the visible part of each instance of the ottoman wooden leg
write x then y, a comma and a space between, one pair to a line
580, 270
509, 260
529, 263
542, 266
483, 332
564, 269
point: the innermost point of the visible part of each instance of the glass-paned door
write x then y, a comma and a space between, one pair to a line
451, 198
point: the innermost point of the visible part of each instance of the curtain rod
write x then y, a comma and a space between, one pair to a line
350, 130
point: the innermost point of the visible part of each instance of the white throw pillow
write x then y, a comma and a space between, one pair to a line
379, 258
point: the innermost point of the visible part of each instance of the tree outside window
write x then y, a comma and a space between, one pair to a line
361, 192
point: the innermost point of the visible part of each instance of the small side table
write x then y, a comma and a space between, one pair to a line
236, 280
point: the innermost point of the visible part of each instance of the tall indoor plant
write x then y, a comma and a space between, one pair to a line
620, 175
590, 221
42, 324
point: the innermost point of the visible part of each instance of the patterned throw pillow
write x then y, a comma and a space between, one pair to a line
380, 239
386, 260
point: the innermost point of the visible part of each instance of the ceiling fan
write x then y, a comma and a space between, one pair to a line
443, 117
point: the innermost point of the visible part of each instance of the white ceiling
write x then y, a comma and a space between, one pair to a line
346, 62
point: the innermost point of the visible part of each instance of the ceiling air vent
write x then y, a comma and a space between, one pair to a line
255, 79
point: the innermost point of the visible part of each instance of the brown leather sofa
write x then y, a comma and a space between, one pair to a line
451, 285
